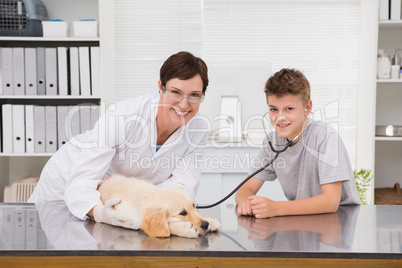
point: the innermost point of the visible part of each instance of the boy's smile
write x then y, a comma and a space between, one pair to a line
288, 115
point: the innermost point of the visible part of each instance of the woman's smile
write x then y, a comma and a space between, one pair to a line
181, 113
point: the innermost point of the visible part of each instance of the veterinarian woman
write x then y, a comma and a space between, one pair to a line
156, 137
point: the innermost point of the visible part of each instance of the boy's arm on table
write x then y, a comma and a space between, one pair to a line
327, 202
250, 188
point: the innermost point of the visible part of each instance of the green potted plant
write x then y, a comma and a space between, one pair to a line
362, 178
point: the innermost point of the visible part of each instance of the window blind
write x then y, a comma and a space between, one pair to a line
146, 34
320, 38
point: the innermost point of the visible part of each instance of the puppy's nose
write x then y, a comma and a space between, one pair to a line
204, 225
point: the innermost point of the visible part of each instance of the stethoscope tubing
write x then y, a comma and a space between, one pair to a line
277, 152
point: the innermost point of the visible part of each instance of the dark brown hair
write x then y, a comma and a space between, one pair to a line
184, 65
288, 82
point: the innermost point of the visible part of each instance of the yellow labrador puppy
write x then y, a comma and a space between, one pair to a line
158, 212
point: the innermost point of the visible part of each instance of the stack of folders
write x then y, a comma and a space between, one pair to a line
43, 129
50, 71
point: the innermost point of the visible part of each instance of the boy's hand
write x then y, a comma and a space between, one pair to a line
245, 208
262, 207
258, 228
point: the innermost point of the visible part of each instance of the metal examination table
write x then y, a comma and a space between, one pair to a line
47, 235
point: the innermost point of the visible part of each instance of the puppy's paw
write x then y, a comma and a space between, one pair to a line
183, 229
214, 225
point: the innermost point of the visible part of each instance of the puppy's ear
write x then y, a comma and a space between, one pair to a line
154, 222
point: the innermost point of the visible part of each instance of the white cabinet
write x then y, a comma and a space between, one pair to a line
15, 166
388, 150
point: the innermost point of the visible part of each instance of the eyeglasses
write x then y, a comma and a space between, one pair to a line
177, 96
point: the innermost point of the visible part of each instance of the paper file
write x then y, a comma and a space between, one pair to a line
85, 118
7, 68
51, 129
40, 61
18, 128
62, 70
61, 124
95, 72
29, 129
85, 78
1, 73
7, 127
39, 129
30, 71
74, 72
51, 70
19, 71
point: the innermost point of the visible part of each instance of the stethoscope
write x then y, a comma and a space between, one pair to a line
276, 151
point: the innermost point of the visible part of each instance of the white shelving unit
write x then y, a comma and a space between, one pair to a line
47, 39
390, 24
388, 150
388, 138
42, 97
26, 155
388, 81
16, 166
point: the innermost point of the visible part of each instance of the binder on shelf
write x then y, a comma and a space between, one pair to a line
74, 72
1, 134
95, 71
18, 71
7, 70
61, 125
40, 61
7, 128
62, 71
395, 13
1, 75
39, 129
30, 71
18, 128
51, 70
85, 118
74, 119
94, 115
384, 10
85, 78
29, 129
51, 129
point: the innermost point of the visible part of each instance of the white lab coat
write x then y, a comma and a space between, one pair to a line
123, 141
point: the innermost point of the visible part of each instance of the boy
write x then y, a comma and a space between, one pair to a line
315, 172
